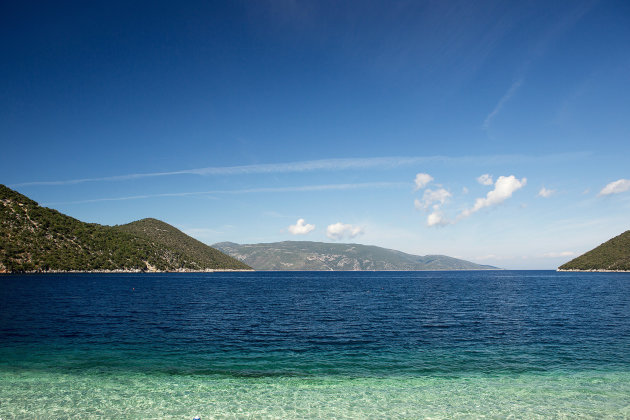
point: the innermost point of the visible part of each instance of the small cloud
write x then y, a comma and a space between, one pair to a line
504, 187
485, 179
339, 230
436, 218
545, 193
430, 196
301, 228
464, 190
434, 199
558, 254
616, 187
422, 180
586, 191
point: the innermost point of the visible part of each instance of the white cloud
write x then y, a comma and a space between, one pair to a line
616, 187
485, 179
464, 190
301, 228
339, 230
504, 187
432, 196
436, 218
545, 193
422, 180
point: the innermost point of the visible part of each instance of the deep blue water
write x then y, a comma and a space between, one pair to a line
314, 325
312, 322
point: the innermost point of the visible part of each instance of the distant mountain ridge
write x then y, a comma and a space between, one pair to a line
612, 255
321, 256
35, 238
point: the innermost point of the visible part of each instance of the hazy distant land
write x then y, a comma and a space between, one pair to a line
321, 256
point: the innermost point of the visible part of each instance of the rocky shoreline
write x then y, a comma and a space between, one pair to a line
181, 270
599, 270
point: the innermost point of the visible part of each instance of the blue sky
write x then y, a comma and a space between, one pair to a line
234, 120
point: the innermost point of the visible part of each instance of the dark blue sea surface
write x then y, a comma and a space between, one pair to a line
214, 328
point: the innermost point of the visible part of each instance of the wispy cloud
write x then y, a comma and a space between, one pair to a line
267, 168
546, 193
547, 38
616, 187
508, 95
321, 165
303, 188
276, 215
558, 254
485, 179
429, 197
338, 231
422, 180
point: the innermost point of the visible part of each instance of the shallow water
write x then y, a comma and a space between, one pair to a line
316, 345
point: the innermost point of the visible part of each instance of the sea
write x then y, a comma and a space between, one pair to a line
299, 345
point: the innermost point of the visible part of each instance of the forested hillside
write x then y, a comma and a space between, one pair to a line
36, 238
611, 255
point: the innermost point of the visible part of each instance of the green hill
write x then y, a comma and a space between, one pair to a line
294, 255
611, 255
164, 234
35, 238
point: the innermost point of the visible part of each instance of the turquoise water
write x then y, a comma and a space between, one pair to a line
140, 395
316, 345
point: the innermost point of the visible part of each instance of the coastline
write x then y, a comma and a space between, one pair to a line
598, 270
212, 270
126, 271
